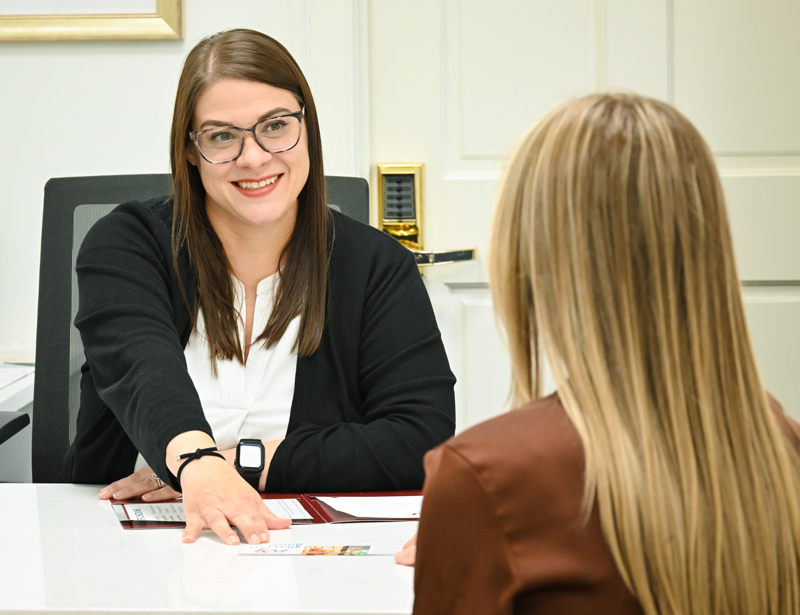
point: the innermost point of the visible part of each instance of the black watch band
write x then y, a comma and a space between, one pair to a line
250, 460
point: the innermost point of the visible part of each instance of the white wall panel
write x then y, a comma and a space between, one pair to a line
736, 69
477, 355
405, 90
773, 316
764, 213
505, 68
334, 71
638, 47
515, 62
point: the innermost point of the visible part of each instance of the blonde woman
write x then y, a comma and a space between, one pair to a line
660, 479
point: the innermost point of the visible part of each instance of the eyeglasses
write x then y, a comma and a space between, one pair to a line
226, 143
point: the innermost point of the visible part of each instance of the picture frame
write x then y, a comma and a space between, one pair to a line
90, 20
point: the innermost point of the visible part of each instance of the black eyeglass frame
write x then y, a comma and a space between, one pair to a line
194, 136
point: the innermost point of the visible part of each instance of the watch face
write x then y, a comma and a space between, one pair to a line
249, 456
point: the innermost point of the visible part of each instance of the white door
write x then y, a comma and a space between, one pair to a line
452, 84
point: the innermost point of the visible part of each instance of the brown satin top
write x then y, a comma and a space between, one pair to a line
501, 527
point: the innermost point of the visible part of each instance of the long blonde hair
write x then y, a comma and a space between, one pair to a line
611, 256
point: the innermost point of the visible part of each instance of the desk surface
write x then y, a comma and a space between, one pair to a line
63, 550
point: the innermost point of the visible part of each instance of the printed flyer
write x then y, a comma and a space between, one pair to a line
304, 548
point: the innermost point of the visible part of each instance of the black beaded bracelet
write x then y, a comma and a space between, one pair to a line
200, 452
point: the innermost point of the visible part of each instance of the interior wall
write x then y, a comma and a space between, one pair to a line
104, 108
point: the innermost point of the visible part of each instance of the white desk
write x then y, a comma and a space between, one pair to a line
15, 454
63, 550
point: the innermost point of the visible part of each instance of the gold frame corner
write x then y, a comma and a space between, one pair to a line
165, 24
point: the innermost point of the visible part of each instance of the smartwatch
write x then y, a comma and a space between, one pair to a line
250, 460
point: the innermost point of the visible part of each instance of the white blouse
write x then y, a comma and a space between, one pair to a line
252, 400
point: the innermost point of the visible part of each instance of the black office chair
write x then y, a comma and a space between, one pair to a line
71, 206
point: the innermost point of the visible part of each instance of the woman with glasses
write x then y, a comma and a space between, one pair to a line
661, 477
239, 335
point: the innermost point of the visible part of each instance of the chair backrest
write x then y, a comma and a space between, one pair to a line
71, 206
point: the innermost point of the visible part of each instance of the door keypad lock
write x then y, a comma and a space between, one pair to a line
400, 213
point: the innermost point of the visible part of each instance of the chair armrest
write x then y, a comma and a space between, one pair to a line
11, 423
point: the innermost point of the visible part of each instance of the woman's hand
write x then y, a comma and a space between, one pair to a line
216, 497
408, 555
142, 483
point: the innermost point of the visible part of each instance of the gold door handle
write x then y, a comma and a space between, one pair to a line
427, 258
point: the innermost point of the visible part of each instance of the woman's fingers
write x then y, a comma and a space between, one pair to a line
136, 489
132, 486
159, 495
273, 522
141, 483
116, 486
278, 523
408, 555
219, 525
194, 525
252, 527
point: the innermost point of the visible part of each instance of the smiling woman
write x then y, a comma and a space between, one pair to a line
241, 336
281, 173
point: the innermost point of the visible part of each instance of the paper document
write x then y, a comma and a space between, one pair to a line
377, 507
304, 548
165, 511
288, 509
173, 511
10, 373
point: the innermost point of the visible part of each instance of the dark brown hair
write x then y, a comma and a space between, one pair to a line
250, 56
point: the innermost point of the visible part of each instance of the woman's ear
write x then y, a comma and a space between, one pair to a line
191, 155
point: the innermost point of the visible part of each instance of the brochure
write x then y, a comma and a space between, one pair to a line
304, 548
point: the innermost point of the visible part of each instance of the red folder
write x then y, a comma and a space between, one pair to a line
322, 513
319, 511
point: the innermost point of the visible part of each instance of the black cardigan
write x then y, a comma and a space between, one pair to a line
375, 396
